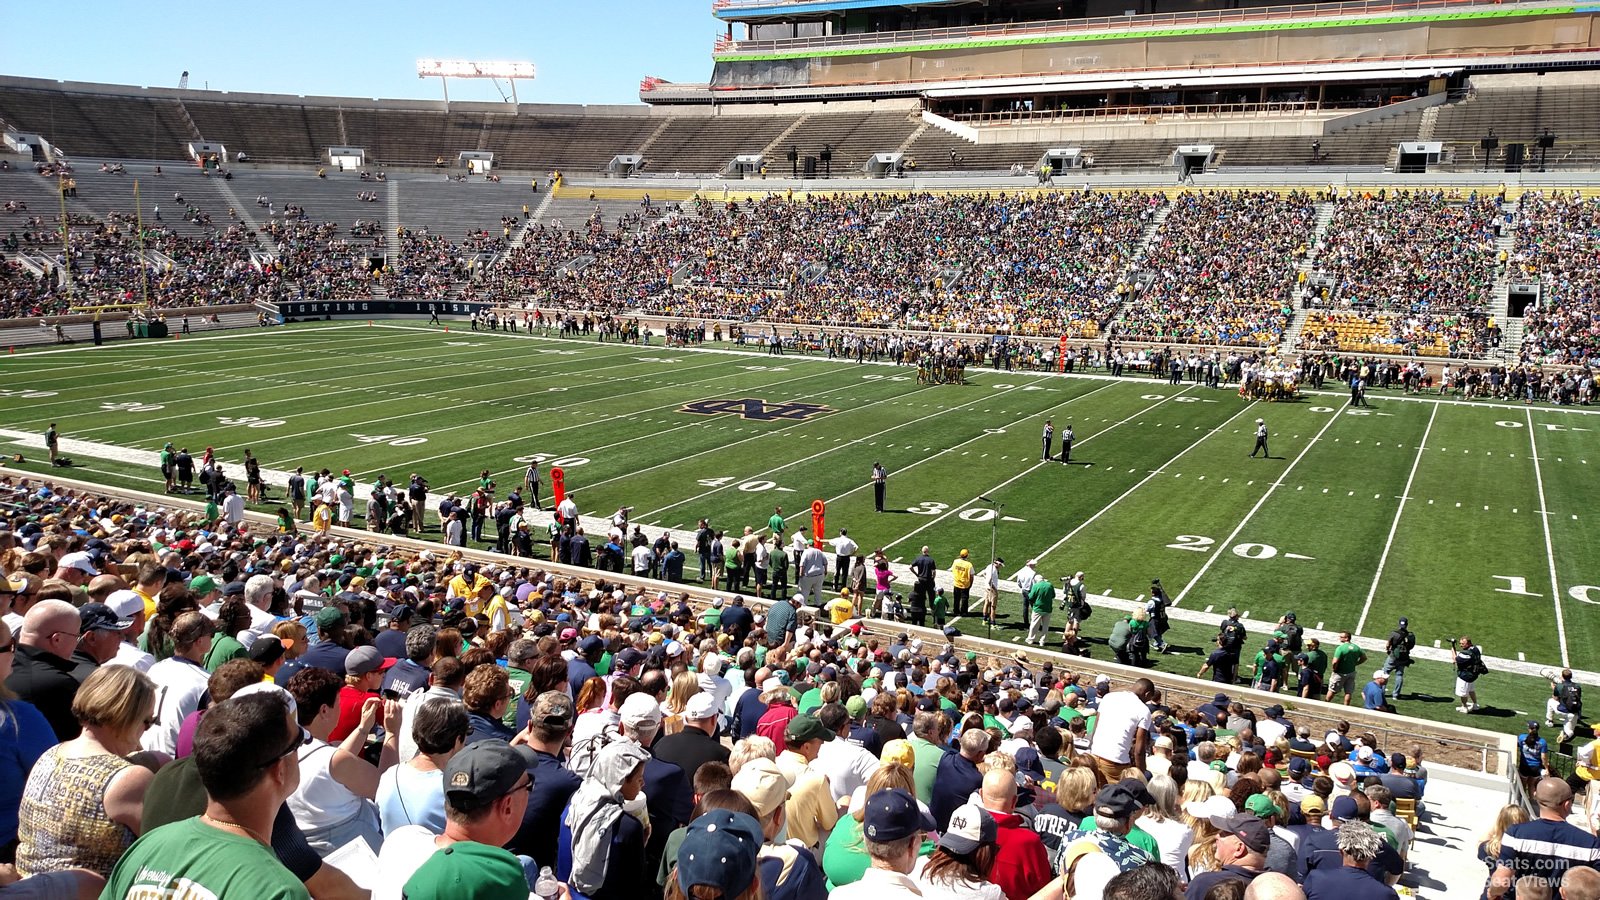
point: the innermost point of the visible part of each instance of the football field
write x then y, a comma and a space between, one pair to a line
1469, 517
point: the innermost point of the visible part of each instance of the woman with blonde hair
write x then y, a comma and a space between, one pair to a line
684, 686
1072, 803
753, 747
844, 856
1489, 848
84, 800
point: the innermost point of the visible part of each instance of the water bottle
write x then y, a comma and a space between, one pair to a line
546, 887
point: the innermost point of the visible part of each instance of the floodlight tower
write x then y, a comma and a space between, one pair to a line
445, 69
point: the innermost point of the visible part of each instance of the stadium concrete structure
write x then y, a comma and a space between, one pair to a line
810, 99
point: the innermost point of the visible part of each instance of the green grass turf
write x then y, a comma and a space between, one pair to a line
1159, 486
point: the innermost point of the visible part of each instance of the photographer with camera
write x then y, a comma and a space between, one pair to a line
1469, 665
1401, 643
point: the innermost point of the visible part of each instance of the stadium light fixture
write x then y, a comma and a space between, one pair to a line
445, 69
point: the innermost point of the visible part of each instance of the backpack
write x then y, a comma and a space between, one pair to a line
583, 754
1232, 634
1572, 697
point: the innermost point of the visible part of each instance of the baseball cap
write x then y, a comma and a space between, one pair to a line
971, 827
201, 584
719, 851
81, 561
893, 815
640, 709
100, 617
804, 728
1246, 827
1533, 724
126, 604
763, 784
701, 706
468, 870
329, 616
1342, 773
365, 660
1298, 767
1116, 801
1345, 808
1274, 711
1311, 803
1220, 698
1262, 805
486, 770
552, 709
569, 634
856, 707
1210, 807
267, 648
591, 644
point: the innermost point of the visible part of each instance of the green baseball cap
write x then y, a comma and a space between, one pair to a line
202, 584
329, 616
468, 870
1262, 806
856, 707
804, 728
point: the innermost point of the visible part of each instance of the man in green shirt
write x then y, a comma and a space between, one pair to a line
1041, 600
1316, 659
776, 526
521, 654
1347, 658
245, 753
930, 731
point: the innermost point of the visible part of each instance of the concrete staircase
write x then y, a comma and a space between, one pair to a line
1304, 289
1511, 332
243, 212
1499, 299
392, 224
905, 145
1151, 229
773, 152
644, 148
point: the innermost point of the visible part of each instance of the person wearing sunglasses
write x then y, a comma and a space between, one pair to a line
43, 671
25, 735
486, 789
84, 799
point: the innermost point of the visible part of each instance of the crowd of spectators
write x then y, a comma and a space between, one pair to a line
1422, 252
288, 714
1221, 270
1556, 245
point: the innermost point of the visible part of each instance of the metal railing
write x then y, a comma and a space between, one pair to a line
1173, 111
1099, 23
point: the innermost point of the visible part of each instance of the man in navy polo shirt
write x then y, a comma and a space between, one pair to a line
1547, 846
1358, 846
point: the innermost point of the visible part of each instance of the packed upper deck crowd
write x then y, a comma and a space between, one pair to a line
1406, 273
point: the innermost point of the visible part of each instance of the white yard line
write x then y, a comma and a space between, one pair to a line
633, 473
525, 439
323, 388
982, 398
958, 509
1228, 542
1394, 527
1549, 546
977, 437
1157, 471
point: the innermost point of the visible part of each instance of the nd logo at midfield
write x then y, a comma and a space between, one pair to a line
756, 409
